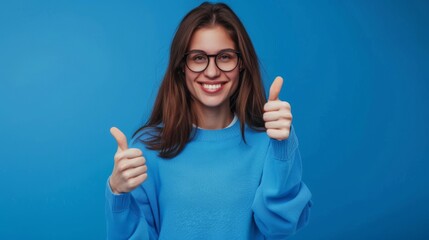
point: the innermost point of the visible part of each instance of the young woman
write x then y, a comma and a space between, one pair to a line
215, 160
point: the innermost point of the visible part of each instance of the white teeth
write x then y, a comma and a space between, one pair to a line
211, 87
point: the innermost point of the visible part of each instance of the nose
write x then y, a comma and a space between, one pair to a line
212, 71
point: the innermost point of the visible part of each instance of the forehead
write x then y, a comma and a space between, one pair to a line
211, 39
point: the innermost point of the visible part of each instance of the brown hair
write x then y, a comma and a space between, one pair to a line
172, 118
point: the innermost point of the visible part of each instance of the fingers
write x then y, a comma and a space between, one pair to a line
278, 134
275, 88
130, 163
276, 105
127, 185
278, 124
128, 154
120, 138
136, 181
132, 178
277, 115
134, 172
130, 168
128, 173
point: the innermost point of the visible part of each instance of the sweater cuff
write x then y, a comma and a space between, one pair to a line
283, 150
117, 202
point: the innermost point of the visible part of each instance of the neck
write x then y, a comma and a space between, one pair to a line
214, 118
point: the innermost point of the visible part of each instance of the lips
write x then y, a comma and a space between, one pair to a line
212, 87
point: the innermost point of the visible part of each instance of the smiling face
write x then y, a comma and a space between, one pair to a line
212, 88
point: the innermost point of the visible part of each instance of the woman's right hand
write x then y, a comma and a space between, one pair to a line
130, 167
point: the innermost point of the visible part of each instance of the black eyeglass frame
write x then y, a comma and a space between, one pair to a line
214, 56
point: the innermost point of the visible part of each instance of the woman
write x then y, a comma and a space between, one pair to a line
203, 167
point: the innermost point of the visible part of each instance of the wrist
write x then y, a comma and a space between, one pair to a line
112, 187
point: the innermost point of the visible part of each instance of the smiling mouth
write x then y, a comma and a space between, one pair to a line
212, 88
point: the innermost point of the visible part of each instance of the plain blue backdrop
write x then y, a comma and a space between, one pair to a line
356, 74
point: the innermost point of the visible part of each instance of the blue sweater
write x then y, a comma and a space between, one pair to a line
218, 187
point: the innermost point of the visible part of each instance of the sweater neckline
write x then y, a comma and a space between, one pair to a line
217, 134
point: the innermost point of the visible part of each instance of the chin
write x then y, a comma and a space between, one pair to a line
213, 103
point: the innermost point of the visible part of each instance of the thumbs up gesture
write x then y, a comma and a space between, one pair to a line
277, 116
130, 168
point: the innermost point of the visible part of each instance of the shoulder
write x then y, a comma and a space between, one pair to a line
144, 134
259, 136
140, 139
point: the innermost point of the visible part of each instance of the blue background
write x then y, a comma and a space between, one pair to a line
356, 74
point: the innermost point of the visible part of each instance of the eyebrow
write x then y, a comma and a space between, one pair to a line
199, 50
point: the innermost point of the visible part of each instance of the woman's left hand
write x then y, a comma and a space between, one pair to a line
277, 116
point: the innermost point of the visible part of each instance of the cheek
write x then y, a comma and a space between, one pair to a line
235, 78
191, 85
190, 78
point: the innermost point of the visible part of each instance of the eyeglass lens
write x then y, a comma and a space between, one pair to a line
198, 61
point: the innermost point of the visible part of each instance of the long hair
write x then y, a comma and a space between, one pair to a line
171, 122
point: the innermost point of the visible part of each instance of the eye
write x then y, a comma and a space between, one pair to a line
199, 58
226, 56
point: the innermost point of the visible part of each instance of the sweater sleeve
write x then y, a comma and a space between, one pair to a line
282, 201
129, 215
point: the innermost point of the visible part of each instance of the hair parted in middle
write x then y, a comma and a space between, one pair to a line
172, 119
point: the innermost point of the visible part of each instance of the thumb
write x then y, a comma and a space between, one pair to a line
120, 138
275, 88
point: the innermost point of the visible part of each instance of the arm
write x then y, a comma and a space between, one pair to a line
282, 201
130, 195
130, 215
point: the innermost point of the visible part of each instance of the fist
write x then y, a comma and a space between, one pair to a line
277, 113
130, 168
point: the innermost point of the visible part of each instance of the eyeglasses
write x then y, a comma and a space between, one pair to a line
226, 60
